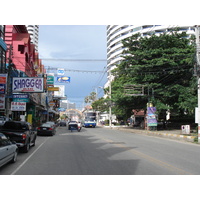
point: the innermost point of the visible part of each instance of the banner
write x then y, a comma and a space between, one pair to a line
27, 84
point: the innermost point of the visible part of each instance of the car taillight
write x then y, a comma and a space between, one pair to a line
50, 129
23, 136
38, 128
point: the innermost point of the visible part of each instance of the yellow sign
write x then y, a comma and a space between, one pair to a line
53, 88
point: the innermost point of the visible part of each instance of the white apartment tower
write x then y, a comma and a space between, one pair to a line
33, 30
116, 33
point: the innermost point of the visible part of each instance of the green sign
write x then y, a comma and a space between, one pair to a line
21, 100
50, 80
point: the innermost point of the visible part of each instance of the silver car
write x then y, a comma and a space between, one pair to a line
8, 150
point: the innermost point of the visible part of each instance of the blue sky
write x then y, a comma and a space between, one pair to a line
75, 42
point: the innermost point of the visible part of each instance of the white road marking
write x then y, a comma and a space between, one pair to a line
20, 166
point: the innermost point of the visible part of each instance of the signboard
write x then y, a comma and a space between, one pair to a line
3, 81
50, 80
60, 71
20, 96
18, 106
2, 101
53, 88
51, 103
61, 109
21, 100
63, 79
3, 78
151, 116
2, 88
27, 84
61, 92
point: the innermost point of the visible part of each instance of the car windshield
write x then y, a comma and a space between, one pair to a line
46, 125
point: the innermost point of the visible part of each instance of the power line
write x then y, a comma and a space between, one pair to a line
74, 60
73, 70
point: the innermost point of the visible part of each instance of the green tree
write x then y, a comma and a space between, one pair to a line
92, 97
163, 64
100, 105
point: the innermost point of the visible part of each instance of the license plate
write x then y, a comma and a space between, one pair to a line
44, 128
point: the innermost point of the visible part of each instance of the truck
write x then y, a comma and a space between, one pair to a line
20, 132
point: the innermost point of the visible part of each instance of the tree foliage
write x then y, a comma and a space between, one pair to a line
162, 64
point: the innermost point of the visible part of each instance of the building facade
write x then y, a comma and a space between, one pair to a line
33, 30
116, 33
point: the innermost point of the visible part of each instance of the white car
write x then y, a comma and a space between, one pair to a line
8, 150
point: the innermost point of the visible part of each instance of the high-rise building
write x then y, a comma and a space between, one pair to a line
33, 30
116, 33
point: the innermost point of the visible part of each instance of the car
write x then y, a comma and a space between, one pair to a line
8, 150
21, 132
3, 119
63, 123
46, 129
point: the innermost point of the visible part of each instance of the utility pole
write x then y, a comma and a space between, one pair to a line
197, 34
8, 93
110, 104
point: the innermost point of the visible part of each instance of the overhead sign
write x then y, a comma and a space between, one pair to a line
18, 106
63, 79
27, 84
60, 71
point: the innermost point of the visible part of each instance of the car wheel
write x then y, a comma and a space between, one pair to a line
26, 148
34, 142
14, 159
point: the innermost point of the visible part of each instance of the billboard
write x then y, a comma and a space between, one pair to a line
27, 84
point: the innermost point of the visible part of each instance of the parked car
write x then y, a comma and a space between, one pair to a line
46, 129
21, 132
8, 150
63, 123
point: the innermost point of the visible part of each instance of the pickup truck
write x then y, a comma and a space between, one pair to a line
21, 132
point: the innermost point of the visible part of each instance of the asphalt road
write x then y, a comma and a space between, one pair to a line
101, 151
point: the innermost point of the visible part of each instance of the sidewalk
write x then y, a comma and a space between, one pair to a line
171, 134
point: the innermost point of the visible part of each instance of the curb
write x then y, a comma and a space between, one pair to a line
159, 134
